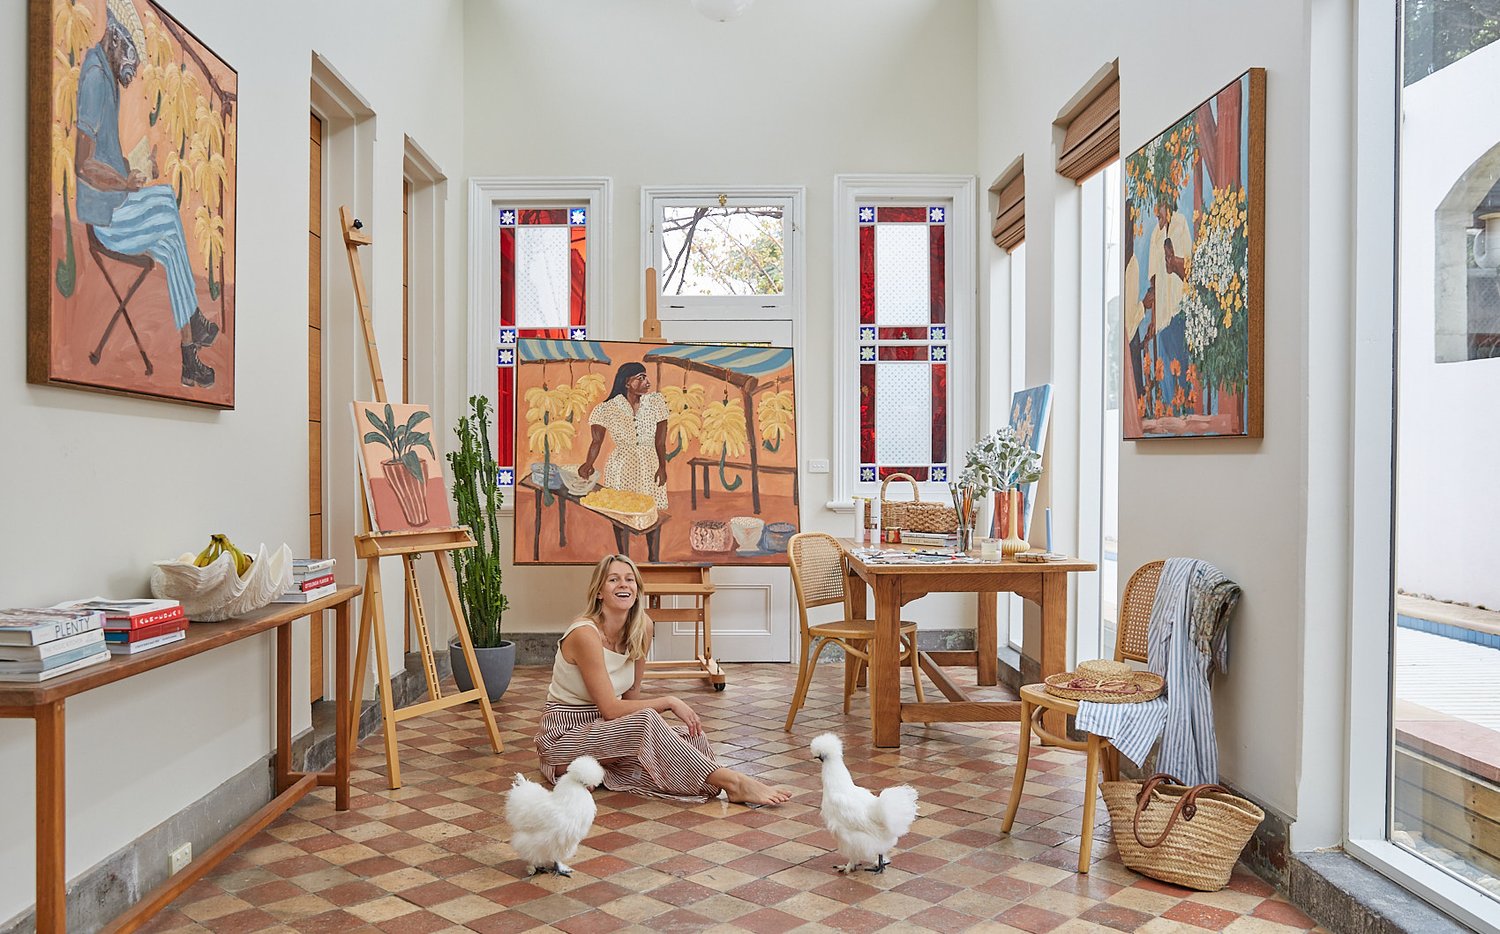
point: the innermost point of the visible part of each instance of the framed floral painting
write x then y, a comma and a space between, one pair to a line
1194, 269
132, 123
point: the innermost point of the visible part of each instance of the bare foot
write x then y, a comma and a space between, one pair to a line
742, 789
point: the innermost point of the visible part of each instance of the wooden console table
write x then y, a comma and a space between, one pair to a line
45, 702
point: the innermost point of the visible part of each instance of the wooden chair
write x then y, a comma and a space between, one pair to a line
819, 572
1130, 645
143, 263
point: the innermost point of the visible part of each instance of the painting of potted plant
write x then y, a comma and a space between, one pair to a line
478, 569
400, 467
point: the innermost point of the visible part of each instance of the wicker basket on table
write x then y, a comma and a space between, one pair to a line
914, 515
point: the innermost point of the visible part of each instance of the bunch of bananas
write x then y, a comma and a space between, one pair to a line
684, 416
776, 417
549, 430
724, 430
218, 545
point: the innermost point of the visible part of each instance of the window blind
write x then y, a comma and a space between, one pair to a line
1091, 139
1010, 215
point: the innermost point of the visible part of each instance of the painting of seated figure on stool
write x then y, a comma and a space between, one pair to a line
131, 212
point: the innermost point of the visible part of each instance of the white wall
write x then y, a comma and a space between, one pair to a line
1241, 504
1447, 511
651, 93
116, 483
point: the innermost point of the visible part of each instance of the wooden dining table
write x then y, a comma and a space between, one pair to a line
897, 584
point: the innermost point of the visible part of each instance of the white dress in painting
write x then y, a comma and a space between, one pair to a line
632, 465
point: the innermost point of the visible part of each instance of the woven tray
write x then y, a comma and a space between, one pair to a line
635, 520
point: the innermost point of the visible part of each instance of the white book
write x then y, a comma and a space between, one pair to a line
32, 653
130, 648
299, 596
37, 626
35, 676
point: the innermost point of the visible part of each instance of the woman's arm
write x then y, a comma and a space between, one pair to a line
584, 648
586, 469
661, 453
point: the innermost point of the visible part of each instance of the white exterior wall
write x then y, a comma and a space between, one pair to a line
650, 93
1448, 443
115, 483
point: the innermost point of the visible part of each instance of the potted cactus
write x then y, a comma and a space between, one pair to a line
477, 569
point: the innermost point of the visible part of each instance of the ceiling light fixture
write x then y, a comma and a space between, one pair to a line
722, 10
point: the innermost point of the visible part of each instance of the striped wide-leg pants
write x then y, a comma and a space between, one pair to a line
149, 222
640, 752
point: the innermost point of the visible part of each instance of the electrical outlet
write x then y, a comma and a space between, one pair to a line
817, 466
181, 857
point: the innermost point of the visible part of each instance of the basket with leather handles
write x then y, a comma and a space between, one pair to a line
914, 515
1188, 836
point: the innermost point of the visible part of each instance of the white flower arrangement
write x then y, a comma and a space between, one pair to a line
1001, 461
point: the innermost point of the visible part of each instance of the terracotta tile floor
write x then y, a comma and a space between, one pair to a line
432, 856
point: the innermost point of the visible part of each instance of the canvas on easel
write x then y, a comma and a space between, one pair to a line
401, 468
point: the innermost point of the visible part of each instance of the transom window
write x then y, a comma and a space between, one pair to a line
721, 254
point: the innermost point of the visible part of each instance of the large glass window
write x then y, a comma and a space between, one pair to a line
1444, 738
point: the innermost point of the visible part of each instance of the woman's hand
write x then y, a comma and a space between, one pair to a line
661, 474
686, 714
586, 470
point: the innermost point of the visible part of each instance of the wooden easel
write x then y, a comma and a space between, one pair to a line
672, 580
409, 546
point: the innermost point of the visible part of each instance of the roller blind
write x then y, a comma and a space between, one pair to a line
1091, 139
1010, 215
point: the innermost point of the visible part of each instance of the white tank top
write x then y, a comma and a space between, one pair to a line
567, 680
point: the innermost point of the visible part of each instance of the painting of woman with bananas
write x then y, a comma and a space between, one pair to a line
708, 428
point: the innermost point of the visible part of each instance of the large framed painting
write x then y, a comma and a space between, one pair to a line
1194, 269
131, 209
669, 453
401, 467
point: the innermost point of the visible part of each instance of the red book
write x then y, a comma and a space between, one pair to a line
143, 620
151, 631
313, 583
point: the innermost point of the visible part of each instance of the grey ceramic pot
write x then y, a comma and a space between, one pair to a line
495, 666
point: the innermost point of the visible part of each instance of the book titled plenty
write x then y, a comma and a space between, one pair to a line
130, 614
35, 626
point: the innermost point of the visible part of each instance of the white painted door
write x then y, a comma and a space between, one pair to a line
753, 607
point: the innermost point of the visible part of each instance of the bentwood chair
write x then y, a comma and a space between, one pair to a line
1130, 645
819, 573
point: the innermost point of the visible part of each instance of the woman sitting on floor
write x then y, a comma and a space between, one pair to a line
594, 707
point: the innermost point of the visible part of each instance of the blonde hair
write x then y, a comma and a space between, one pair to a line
637, 634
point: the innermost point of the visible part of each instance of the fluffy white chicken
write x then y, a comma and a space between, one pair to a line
866, 826
547, 826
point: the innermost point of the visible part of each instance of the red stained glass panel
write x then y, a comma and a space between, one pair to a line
505, 418
507, 277
903, 353
939, 412
902, 334
542, 216
936, 279
578, 257
918, 474
867, 275
867, 413
901, 215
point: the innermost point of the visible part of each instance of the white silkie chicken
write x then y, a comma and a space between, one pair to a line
547, 826
866, 826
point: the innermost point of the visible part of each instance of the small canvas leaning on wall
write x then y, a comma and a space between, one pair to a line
669, 453
1194, 269
131, 211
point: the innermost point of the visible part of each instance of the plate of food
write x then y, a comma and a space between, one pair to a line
637, 510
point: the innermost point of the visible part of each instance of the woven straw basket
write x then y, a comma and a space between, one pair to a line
1106, 682
1186, 836
915, 516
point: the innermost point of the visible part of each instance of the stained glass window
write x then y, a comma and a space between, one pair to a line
543, 258
903, 342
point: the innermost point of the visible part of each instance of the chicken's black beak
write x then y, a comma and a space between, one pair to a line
819, 758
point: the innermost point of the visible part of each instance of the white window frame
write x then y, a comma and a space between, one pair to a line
786, 306
1372, 481
487, 195
851, 191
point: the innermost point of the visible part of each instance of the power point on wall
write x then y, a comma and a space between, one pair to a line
181, 857
817, 466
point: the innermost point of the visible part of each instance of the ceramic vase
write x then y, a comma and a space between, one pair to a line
1008, 508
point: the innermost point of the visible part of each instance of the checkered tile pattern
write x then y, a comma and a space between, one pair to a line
433, 857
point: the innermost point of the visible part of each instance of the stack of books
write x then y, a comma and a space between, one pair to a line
312, 579
132, 626
933, 539
37, 644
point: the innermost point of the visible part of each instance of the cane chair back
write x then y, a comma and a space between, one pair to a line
1134, 627
817, 571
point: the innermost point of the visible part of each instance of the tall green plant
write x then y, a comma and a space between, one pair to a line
478, 568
